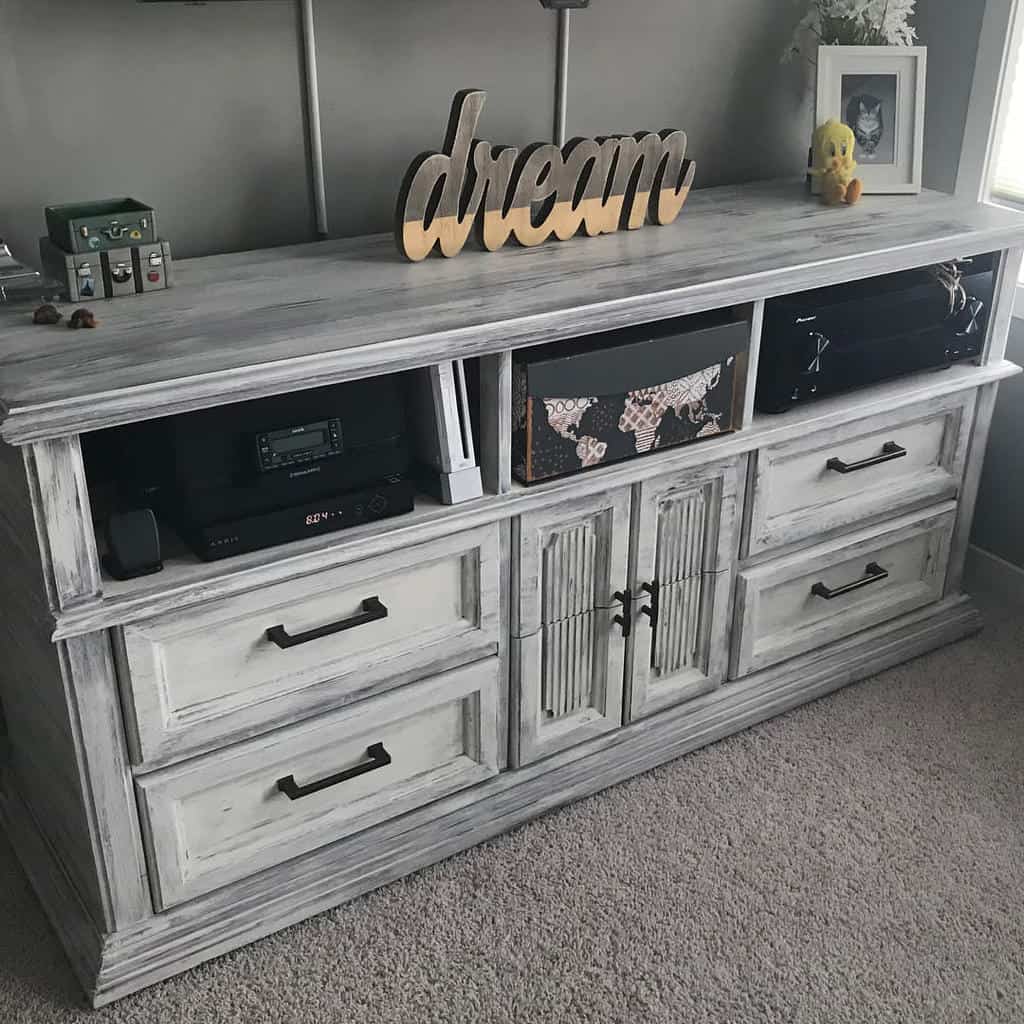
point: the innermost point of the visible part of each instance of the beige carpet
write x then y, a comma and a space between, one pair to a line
858, 860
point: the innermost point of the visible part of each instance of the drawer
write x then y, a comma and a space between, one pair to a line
801, 602
219, 818
838, 478
202, 677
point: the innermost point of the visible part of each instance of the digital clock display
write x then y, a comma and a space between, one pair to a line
316, 518
296, 442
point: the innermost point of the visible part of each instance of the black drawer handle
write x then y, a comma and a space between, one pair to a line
890, 450
372, 611
378, 758
653, 609
875, 574
625, 620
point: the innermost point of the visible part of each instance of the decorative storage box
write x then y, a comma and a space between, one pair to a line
107, 275
612, 396
102, 224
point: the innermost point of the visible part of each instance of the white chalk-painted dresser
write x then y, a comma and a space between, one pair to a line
147, 723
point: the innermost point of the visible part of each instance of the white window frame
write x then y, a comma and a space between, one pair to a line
998, 44
1002, 32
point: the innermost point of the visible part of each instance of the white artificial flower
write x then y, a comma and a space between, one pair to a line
852, 22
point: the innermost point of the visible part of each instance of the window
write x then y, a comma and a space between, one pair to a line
992, 156
1008, 166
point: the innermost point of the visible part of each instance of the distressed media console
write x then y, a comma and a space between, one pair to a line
176, 784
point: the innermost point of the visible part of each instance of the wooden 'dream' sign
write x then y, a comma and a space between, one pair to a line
596, 186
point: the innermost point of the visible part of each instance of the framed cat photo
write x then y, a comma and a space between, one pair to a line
879, 91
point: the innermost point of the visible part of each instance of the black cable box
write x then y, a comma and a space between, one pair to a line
213, 541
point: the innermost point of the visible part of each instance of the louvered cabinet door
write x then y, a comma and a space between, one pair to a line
684, 530
569, 650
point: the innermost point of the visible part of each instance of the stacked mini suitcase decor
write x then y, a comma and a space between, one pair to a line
105, 249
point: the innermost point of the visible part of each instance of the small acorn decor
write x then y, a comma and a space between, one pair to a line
834, 164
47, 315
82, 318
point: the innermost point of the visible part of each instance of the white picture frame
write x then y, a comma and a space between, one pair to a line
882, 90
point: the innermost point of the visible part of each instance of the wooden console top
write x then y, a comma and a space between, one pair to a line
251, 324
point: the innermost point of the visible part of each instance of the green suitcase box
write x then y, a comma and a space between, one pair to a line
97, 226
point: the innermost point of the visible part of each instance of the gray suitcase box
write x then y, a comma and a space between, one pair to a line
108, 275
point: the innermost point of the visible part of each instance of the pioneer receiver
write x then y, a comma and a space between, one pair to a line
835, 339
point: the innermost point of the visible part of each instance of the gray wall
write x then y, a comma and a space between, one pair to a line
198, 110
951, 32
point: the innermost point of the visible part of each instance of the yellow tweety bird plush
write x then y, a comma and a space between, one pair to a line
834, 163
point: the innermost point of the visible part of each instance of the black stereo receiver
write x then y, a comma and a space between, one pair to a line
252, 458
234, 537
835, 339
251, 474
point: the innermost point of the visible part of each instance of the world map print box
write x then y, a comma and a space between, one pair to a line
612, 396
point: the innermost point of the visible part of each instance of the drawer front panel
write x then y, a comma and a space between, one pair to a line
832, 480
570, 561
796, 604
685, 525
199, 678
220, 818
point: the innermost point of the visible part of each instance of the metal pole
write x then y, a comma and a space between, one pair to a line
562, 75
316, 141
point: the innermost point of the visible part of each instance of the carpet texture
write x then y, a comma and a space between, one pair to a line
858, 860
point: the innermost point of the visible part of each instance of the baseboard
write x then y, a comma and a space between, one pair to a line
988, 573
210, 926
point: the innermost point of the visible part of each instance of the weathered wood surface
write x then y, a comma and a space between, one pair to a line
187, 581
220, 818
797, 498
684, 542
504, 643
1004, 303
102, 757
568, 564
244, 325
66, 744
496, 422
979, 434
214, 924
60, 495
778, 615
200, 678
756, 315
41, 744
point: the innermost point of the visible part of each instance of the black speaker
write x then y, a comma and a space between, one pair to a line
133, 544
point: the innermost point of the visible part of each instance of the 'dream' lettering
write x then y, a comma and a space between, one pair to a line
589, 186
